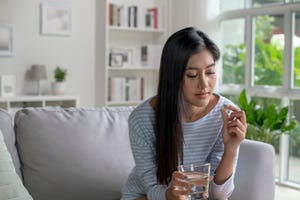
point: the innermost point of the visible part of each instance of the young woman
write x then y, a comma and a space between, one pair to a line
186, 122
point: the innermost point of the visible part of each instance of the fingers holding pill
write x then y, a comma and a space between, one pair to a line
234, 125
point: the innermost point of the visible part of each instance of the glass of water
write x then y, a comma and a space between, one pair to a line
197, 175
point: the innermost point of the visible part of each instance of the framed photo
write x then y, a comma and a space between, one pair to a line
8, 85
55, 19
6, 39
116, 60
126, 55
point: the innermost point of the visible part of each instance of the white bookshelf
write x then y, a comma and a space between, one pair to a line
12, 103
114, 37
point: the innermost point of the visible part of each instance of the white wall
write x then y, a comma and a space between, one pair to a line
76, 52
199, 13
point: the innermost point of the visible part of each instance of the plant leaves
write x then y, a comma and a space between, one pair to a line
265, 122
243, 100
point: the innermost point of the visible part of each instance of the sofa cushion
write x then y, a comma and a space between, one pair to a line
74, 153
6, 126
11, 186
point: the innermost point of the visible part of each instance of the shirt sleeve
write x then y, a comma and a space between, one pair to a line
143, 149
221, 192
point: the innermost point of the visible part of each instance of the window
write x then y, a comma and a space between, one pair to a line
268, 51
259, 3
296, 47
261, 53
234, 51
294, 145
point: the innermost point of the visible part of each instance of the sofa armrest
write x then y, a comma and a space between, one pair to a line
255, 173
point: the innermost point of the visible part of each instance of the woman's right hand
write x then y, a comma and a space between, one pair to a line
178, 188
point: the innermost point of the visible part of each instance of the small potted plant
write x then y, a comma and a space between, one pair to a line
59, 86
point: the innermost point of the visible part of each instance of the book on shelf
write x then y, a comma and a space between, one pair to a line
151, 20
122, 15
113, 14
150, 55
133, 16
125, 89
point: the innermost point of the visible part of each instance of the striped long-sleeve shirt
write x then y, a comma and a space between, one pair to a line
202, 143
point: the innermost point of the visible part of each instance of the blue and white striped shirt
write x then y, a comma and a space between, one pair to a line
202, 143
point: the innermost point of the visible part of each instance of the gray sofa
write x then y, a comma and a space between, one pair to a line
84, 154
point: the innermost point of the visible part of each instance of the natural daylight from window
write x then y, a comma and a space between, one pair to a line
261, 55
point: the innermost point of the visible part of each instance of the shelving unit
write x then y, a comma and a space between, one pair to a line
114, 38
11, 103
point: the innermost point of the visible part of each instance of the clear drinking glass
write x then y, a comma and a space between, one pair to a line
197, 175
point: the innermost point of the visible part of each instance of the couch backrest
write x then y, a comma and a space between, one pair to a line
85, 154
74, 153
255, 173
6, 126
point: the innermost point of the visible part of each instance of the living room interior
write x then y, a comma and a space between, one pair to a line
106, 48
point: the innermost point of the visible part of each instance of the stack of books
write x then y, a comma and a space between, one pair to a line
127, 16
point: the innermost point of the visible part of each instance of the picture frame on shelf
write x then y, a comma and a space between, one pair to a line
55, 19
6, 39
116, 59
8, 85
127, 55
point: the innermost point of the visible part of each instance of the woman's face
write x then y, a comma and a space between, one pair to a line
199, 79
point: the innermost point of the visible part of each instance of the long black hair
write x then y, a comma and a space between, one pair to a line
169, 136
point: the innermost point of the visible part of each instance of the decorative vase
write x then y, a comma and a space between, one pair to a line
58, 88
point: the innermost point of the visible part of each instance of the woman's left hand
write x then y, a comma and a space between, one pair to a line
234, 127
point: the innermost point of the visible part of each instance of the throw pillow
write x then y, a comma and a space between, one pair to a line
7, 128
11, 186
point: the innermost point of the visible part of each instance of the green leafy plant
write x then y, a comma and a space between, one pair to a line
265, 123
60, 74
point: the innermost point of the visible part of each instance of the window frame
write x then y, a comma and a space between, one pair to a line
286, 92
